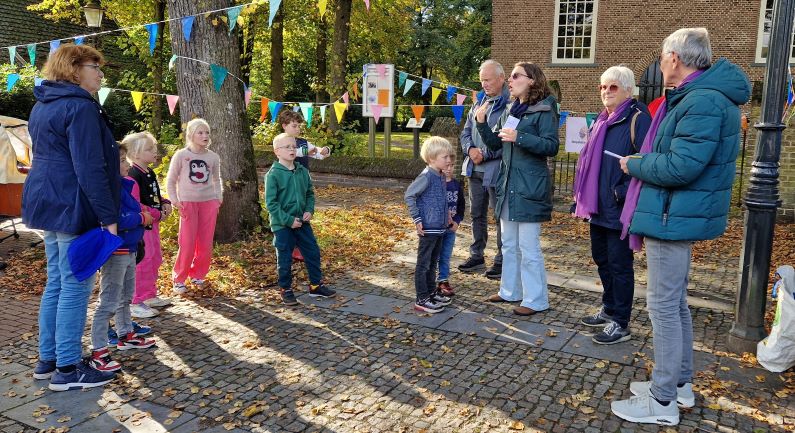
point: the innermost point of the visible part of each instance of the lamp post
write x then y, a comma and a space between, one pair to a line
762, 198
94, 13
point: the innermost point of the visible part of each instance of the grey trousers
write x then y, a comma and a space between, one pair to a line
480, 200
672, 327
117, 286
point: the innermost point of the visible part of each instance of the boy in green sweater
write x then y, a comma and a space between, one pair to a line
291, 201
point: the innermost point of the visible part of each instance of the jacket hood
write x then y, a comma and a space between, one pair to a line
499, 101
51, 90
723, 76
546, 104
278, 166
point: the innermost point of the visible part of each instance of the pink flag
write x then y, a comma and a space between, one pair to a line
376, 112
367, 3
459, 99
172, 103
381, 70
248, 96
345, 98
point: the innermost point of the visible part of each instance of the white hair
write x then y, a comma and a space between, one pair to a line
493, 64
620, 74
691, 45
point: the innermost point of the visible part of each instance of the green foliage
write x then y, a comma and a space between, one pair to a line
341, 142
20, 101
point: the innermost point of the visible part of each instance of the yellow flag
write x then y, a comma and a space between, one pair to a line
137, 97
321, 4
339, 109
435, 94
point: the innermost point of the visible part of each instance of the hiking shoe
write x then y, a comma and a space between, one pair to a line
494, 272
83, 376
445, 289
321, 291
428, 305
142, 311
113, 338
684, 393
645, 409
472, 265
100, 360
132, 341
157, 302
44, 370
288, 297
600, 318
612, 334
140, 329
179, 288
440, 299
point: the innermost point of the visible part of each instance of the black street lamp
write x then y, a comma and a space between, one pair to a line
93, 12
762, 198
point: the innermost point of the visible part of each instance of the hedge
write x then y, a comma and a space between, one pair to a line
357, 165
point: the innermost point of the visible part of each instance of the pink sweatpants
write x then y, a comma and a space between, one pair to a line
196, 229
146, 272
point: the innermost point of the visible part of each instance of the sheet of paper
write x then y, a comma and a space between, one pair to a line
511, 123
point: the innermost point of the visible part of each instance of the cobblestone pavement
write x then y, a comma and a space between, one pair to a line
365, 362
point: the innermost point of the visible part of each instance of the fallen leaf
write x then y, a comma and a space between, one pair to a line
426, 364
516, 425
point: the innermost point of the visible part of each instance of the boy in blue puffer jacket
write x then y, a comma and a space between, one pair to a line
117, 279
426, 199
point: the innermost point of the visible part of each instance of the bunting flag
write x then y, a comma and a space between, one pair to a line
481, 95
296, 108
37, 81
367, 3
323, 113
409, 83
435, 94
172, 61
264, 107
450, 93
79, 40
418, 110
321, 5
376, 109
563, 116
310, 111
233, 14
458, 112
11, 81
402, 78
54, 46
305, 107
103, 93
589, 118
339, 110
425, 84
12, 54
219, 75
187, 27
381, 68
345, 98
355, 92
459, 99
152, 29
274, 4
137, 98
32, 54
246, 94
172, 103
474, 96
274, 108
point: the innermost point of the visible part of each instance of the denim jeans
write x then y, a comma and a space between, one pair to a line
448, 242
523, 273
672, 326
62, 313
613, 258
428, 250
117, 285
285, 240
480, 200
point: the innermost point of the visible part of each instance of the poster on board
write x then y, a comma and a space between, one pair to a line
378, 87
576, 134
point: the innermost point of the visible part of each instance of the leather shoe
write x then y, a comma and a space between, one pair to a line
496, 298
524, 311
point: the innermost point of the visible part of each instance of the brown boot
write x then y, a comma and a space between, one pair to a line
524, 311
496, 298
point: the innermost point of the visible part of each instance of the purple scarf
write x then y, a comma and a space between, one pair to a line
586, 179
633, 192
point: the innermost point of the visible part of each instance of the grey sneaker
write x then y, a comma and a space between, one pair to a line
612, 334
645, 409
684, 394
428, 305
600, 318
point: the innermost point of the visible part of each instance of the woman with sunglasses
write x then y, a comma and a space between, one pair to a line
527, 133
599, 191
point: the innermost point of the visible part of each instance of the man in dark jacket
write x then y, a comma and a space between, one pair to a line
686, 178
482, 166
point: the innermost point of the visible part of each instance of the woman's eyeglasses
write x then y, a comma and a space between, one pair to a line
516, 75
94, 66
611, 87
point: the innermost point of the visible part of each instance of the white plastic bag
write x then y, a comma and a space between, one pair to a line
777, 352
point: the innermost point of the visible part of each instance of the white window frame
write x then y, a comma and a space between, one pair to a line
760, 33
587, 60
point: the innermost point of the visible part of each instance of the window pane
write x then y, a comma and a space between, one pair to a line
575, 30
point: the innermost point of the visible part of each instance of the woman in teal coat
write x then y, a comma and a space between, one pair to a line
527, 133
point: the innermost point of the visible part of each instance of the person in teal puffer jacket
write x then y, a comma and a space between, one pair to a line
680, 193
524, 189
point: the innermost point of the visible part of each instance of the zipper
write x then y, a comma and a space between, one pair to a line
666, 206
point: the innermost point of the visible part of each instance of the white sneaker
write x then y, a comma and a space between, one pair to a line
179, 288
684, 394
645, 409
197, 281
157, 302
142, 311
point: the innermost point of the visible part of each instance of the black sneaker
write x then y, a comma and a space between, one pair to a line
83, 376
44, 370
321, 291
600, 318
494, 272
288, 297
472, 265
613, 333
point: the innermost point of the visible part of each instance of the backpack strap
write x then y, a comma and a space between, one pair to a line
632, 129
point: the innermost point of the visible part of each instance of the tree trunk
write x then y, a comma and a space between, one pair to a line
224, 111
339, 52
157, 68
321, 60
277, 54
246, 38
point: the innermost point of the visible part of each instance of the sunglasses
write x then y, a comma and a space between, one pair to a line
516, 75
611, 87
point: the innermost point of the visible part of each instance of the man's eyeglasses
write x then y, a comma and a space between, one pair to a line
610, 87
89, 65
287, 147
516, 75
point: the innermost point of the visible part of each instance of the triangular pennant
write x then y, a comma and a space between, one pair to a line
274, 108
32, 54
321, 5
274, 4
425, 84
339, 109
590, 117
246, 95
79, 40
458, 112
263, 102
172, 61
305, 106
308, 116
563, 116
219, 75
435, 94
409, 83
187, 27
11, 81
137, 98
367, 3
103, 93
450, 92
172, 103
37, 81
152, 29
376, 109
232, 14
459, 99
355, 92
402, 78
345, 98
481, 95
474, 96
12, 54
54, 46
417, 110
381, 68
323, 113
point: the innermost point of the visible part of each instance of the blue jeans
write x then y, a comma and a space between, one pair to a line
448, 242
523, 275
62, 313
672, 326
285, 240
613, 258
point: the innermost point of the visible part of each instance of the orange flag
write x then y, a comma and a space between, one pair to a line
264, 104
418, 109
355, 89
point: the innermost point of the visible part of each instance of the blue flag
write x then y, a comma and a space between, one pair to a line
481, 95
37, 81
458, 112
450, 93
219, 75
54, 46
426, 83
79, 40
274, 4
11, 80
563, 116
232, 14
187, 27
402, 78
152, 29
274, 108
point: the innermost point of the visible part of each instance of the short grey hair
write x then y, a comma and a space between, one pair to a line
493, 64
691, 45
620, 74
